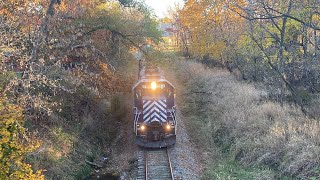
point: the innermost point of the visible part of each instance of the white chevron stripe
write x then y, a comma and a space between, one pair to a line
163, 112
147, 120
152, 110
153, 116
155, 105
164, 116
155, 119
163, 120
163, 103
158, 105
155, 110
146, 103
147, 108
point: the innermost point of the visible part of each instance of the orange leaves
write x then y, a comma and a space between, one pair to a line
191, 13
210, 24
75, 8
236, 5
4, 11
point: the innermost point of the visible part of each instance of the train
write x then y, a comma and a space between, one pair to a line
155, 124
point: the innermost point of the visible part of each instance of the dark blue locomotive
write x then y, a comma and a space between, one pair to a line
154, 110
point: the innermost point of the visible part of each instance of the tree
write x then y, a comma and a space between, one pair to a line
66, 32
256, 36
210, 27
52, 51
282, 31
15, 144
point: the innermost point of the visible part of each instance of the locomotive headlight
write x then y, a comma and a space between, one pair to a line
168, 127
143, 127
153, 85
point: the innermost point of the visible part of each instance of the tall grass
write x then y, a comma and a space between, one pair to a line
240, 120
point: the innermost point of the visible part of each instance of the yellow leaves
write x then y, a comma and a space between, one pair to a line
191, 14
26, 173
13, 147
106, 7
235, 4
63, 6
210, 24
166, 20
316, 18
5, 136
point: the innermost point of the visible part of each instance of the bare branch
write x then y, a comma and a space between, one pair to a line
272, 17
310, 25
126, 37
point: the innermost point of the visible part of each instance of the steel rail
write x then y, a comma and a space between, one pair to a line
157, 164
146, 164
170, 165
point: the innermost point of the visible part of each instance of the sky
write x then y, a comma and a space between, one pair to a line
161, 6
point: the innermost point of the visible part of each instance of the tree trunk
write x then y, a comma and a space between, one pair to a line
281, 51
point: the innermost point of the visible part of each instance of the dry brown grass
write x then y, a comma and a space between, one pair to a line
257, 132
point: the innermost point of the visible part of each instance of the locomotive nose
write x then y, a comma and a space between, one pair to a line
154, 115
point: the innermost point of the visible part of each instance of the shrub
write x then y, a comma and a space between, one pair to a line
15, 144
247, 126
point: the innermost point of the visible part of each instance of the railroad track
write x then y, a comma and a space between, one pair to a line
154, 165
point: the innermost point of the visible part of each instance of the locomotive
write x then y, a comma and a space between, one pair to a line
154, 110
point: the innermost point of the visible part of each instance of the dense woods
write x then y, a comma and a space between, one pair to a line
273, 45
63, 67
274, 42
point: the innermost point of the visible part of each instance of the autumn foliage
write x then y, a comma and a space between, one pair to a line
274, 44
15, 144
211, 28
62, 62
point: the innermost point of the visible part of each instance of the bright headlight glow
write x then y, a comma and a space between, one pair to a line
153, 85
143, 127
168, 126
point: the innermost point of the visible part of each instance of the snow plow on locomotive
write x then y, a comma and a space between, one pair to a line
154, 110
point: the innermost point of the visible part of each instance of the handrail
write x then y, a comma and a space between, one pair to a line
173, 114
136, 118
134, 122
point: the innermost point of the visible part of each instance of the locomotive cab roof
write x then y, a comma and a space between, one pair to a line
150, 75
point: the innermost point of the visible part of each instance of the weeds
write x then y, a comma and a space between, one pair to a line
246, 126
230, 169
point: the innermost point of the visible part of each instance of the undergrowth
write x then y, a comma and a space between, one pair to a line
81, 131
259, 138
230, 169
